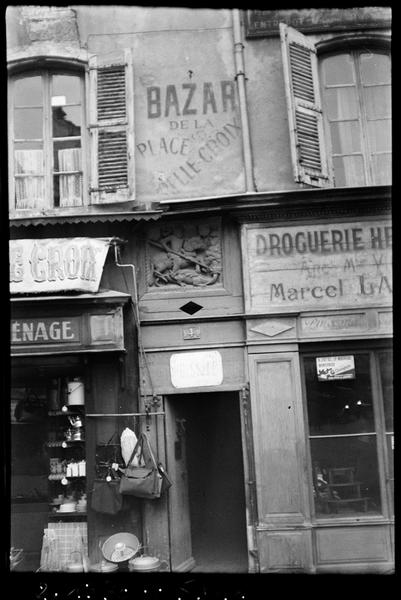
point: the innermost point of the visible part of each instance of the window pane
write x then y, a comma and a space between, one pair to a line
28, 123
66, 121
345, 476
382, 169
67, 155
29, 192
378, 101
28, 161
338, 69
345, 137
68, 188
341, 103
379, 133
375, 68
68, 86
349, 170
28, 91
340, 406
386, 376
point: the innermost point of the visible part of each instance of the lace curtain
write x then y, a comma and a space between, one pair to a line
29, 189
69, 159
30, 183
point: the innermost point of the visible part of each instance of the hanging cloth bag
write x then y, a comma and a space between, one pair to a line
106, 496
142, 482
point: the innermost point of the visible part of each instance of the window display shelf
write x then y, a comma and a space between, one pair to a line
64, 443
60, 476
69, 412
62, 515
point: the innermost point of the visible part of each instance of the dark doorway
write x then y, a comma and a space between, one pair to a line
215, 476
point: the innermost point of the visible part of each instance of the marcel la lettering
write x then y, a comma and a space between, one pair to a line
279, 292
36, 331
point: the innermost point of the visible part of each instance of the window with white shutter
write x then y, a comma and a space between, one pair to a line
111, 116
46, 140
339, 115
304, 108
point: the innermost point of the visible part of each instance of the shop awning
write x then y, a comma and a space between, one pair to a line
90, 217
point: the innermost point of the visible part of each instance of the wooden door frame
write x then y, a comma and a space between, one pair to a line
241, 395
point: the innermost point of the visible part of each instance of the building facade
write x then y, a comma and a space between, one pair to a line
200, 248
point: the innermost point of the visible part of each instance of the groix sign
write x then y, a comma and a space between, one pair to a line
55, 265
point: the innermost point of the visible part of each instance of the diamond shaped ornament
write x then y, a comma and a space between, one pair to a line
271, 328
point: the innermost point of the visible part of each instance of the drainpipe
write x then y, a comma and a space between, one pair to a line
240, 78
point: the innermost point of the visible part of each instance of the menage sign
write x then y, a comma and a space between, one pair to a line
59, 264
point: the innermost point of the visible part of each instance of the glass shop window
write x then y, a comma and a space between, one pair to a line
46, 121
344, 415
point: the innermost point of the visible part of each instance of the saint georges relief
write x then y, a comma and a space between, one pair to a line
184, 255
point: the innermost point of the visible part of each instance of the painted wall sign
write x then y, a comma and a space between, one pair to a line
196, 369
334, 265
188, 135
45, 331
330, 368
50, 265
266, 22
100, 329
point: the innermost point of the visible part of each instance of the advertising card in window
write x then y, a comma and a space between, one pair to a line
331, 368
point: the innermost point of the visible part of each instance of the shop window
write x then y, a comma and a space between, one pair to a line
345, 430
339, 107
54, 162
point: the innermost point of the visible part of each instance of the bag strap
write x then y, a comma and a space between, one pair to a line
137, 445
112, 437
145, 437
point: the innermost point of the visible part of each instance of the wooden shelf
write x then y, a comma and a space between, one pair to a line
75, 513
59, 443
60, 476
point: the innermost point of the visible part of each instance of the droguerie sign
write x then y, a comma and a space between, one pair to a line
319, 266
59, 264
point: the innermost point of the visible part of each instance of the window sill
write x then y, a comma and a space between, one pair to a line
353, 521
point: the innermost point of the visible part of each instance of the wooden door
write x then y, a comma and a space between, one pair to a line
181, 558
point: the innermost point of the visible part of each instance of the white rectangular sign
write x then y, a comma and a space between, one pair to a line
335, 367
57, 264
196, 369
309, 267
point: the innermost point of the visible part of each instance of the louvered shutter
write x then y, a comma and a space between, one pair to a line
304, 108
111, 126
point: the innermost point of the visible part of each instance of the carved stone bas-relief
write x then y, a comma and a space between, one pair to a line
184, 254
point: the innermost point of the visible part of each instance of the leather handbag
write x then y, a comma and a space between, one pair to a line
147, 481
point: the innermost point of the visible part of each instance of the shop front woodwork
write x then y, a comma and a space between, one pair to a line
318, 302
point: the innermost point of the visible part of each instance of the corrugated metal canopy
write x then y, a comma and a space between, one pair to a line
149, 215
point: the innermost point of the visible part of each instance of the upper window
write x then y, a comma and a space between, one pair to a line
356, 90
48, 136
47, 121
339, 112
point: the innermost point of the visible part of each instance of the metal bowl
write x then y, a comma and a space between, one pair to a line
130, 540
